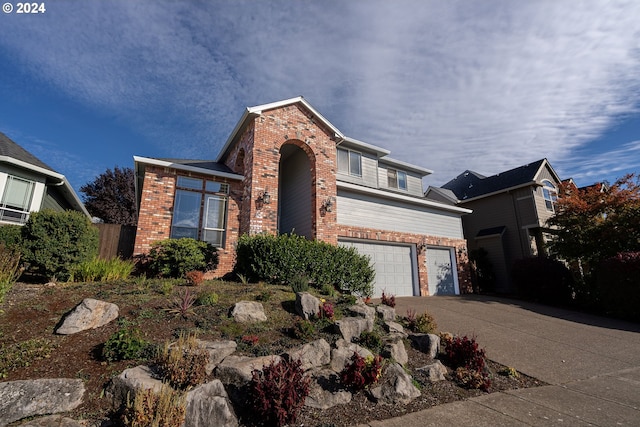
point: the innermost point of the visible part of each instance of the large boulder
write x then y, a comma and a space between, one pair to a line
342, 354
433, 372
27, 398
395, 386
89, 314
307, 305
53, 421
352, 327
366, 312
386, 313
426, 343
248, 312
208, 405
394, 349
325, 390
218, 351
237, 370
312, 355
125, 386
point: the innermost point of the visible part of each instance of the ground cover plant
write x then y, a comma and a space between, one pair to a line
29, 349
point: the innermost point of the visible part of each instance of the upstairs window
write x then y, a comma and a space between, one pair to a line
16, 200
349, 162
199, 210
550, 194
396, 179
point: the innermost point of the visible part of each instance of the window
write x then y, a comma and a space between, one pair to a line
200, 210
16, 200
396, 179
349, 162
550, 194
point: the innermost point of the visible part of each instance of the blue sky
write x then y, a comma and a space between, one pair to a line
448, 85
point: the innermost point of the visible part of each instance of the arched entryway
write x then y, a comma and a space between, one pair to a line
295, 192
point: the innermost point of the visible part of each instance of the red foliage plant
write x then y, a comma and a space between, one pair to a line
467, 358
326, 310
389, 300
360, 372
194, 277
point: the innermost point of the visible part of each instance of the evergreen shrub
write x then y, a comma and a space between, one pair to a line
176, 257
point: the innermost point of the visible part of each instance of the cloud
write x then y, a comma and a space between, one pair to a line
450, 85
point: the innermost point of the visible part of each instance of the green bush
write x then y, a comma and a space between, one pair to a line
207, 298
55, 242
175, 257
102, 270
11, 236
280, 259
124, 344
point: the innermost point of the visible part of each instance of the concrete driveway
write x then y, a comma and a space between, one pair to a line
591, 362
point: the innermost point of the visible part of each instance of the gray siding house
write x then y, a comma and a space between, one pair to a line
29, 185
510, 212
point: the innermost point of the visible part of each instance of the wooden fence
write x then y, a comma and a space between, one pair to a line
116, 240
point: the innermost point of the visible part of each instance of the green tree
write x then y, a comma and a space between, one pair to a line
111, 196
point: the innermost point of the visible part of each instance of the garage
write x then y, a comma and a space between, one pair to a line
394, 267
441, 272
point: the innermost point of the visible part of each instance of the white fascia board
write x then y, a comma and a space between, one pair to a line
186, 168
380, 152
75, 197
406, 166
546, 163
402, 198
29, 166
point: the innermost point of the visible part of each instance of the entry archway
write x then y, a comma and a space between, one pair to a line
295, 192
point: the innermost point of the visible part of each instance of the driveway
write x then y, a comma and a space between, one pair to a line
591, 363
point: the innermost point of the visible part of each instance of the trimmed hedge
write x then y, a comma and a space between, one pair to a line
176, 257
542, 279
53, 243
618, 283
280, 259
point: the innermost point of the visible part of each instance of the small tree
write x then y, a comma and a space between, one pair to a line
54, 242
111, 196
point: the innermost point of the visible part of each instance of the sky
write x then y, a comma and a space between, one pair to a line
447, 85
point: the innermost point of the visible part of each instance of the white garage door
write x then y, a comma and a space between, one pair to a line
441, 272
393, 265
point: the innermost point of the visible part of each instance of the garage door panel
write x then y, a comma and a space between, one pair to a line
393, 265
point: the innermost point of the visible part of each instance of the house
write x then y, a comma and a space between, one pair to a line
29, 185
286, 169
510, 211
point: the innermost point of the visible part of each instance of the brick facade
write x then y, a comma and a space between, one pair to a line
255, 154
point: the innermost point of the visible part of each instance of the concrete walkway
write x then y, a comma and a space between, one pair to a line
592, 364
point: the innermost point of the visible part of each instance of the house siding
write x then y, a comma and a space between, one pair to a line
414, 182
369, 176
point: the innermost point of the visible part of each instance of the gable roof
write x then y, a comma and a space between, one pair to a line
469, 185
10, 149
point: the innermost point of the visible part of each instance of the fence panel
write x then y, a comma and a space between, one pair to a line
116, 240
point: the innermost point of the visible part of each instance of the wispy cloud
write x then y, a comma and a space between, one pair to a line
447, 85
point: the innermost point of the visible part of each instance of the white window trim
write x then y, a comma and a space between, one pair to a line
397, 179
32, 203
552, 191
349, 152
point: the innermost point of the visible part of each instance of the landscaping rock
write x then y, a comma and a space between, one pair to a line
248, 312
218, 350
388, 314
395, 328
89, 314
325, 390
53, 421
395, 386
352, 327
236, 370
366, 312
307, 305
342, 354
27, 398
312, 355
208, 405
394, 349
426, 343
126, 385
434, 372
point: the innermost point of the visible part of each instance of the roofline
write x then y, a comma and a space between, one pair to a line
258, 109
442, 193
402, 197
504, 190
406, 166
186, 168
381, 152
50, 173
555, 175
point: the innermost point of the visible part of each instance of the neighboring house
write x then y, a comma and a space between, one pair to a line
285, 168
510, 211
28, 185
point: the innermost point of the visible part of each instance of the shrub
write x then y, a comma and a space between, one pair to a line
278, 392
207, 298
389, 300
54, 242
164, 409
102, 270
371, 340
425, 323
175, 257
124, 344
299, 283
542, 279
11, 236
279, 259
194, 277
9, 269
360, 372
618, 284
468, 360
183, 364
